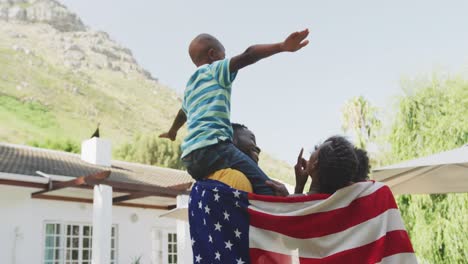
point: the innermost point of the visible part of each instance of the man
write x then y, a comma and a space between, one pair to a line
244, 140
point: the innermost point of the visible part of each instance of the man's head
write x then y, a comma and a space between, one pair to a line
363, 167
245, 141
335, 164
206, 49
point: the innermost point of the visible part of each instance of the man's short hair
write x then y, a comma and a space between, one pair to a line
236, 126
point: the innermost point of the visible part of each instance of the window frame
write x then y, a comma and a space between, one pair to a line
167, 244
160, 244
63, 236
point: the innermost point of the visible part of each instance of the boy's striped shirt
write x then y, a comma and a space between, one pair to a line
207, 104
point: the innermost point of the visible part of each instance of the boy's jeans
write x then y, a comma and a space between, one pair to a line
202, 162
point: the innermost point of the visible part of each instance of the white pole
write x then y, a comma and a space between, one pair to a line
102, 224
184, 245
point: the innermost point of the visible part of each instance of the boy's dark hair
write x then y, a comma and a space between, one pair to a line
206, 42
363, 165
337, 164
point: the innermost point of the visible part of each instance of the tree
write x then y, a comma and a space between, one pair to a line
66, 145
361, 119
430, 118
152, 150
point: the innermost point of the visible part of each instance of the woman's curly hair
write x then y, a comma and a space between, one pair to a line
337, 164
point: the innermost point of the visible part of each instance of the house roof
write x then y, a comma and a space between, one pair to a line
134, 185
25, 160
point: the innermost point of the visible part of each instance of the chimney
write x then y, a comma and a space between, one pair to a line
97, 151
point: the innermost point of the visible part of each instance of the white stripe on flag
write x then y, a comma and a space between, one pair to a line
335, 201
319, 247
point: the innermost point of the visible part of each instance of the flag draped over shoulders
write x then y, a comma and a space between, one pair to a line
357, 224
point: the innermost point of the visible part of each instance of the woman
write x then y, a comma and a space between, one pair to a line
332, 166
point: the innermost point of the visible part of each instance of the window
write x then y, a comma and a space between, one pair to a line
53, 244
69, 243
171, 248
164, 246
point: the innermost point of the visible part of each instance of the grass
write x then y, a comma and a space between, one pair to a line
32, 113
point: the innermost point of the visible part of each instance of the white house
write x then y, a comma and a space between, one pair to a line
49, 201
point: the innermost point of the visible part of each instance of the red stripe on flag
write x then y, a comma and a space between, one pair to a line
259, 256
394, 242
325, 223
288, 199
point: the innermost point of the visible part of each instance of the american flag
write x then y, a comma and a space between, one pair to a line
357, 224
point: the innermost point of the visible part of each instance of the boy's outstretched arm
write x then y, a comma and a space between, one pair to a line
179, 121
293, 42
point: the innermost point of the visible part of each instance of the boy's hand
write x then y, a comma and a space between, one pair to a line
295, 41
179, 121
170, 135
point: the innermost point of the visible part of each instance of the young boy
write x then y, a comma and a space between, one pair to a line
207, 105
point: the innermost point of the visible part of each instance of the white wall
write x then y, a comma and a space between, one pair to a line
18, 211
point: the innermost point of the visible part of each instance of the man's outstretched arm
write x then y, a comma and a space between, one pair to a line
179, 121
293, 42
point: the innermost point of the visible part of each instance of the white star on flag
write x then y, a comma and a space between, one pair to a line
218, 226
193, 242
198, 258
200, 205
228, 244
218, 256
215, 189
236, 193
237, 232
226, 215
207, 209
204, 221
203, 193
239, 261
216, 197
210, 239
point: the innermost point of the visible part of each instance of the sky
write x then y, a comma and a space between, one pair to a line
294, 100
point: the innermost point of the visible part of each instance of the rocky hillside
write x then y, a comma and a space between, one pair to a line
59, 78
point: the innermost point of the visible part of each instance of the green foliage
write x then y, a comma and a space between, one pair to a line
432, 118
437, 225
152, 150
360, 118
67, 145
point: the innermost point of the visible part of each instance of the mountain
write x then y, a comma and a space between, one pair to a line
59, 78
